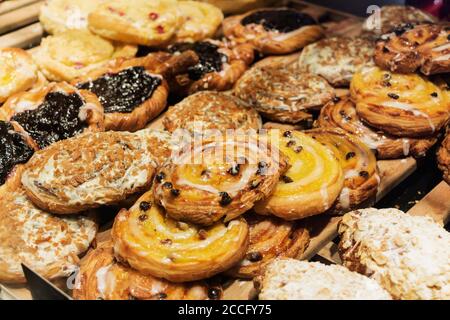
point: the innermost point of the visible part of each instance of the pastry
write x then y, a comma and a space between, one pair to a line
237, 6
407, 255
443, 158
220, 66
161, 144
341, 113
337, 58
55, 112
399, 104
151, 242
218, 177
270, 237
70, 54
89, 171
408, 48
312, 183
283, 94
210, 110
48, 244
273, 30
101, 277
149, 23
289, 279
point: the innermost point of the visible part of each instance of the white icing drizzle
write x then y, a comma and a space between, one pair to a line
406, 146
102, 279
410, 108
344, 198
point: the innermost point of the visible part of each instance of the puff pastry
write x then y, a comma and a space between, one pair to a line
101, 277
54, 112
408, 48
153, 243
70, 54
407, 255
399, 104
312, 183
443, 157
273, 30
218, 177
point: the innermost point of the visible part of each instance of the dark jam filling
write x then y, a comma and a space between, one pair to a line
13, 150
211, 60
55, 119
123, 91
280, 20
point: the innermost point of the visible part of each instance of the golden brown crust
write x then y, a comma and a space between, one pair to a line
443, 157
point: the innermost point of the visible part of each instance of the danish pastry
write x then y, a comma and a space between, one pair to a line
70, 54
443, 158
273, 30
283, 94
101, 277
399, 104
46, 243
337, 58
407, 255
154, 244
408, 48
289, 279
312, 183
341, 113
216, 177
237, 6
55, 112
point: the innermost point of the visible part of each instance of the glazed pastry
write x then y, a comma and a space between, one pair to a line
273, 30
210, 110
337, 58
101, 277
237, 6
289, 279
89, 171
359, 164
55, 112
270, 237
220, 66
149, 241
57, 16
341, 113
312, 183
408, 48
70, 54
48, 244
283, 94
218, 177
407, 255
443, 158
399, 104
148, 23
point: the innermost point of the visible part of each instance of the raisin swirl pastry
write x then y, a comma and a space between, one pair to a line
312, 183
273, 30
443, 157
102, 277
341, 113
153, 243
359, 165
405, 105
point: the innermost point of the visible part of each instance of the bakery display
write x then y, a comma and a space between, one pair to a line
443, 157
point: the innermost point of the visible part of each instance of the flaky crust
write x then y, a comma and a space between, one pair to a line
407, 255
443, 157
155, 244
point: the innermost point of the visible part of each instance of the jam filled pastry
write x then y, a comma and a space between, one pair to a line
70, 54
55, 112
102, 277
359, 164
270, 237
405, 105
210, 110
273, 30
283, 94
88, 171
336, 59
46, 243
216, 177
151, 242
312, 183
407, 255
443, 158
220, 66
341, 113
408, 48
